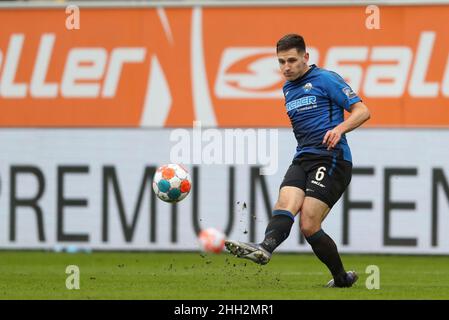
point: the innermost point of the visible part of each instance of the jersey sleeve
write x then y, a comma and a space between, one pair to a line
339, 91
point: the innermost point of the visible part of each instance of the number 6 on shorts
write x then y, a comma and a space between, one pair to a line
320, 173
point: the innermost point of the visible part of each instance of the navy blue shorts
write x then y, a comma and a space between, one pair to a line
321, 177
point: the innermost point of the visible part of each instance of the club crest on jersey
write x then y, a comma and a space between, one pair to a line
348, 92
307, 87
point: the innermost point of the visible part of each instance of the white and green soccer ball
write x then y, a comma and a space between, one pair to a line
171, 183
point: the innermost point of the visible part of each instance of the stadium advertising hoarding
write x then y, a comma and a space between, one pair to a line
171, 66
92, 189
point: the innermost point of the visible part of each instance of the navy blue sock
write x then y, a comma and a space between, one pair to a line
326, 250
278, 229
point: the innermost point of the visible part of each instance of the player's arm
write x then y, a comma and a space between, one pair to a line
359, 114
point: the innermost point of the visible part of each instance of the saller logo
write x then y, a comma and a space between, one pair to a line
249, 73
89, 72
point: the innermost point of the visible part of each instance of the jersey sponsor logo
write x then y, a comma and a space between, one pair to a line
307, 101
249, 73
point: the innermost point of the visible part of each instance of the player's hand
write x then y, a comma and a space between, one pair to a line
331, 138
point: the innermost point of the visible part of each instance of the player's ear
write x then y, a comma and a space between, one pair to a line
306, 57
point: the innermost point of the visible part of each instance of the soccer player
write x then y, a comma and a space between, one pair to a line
321, 170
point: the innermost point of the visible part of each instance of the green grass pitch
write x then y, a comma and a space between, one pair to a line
149, 275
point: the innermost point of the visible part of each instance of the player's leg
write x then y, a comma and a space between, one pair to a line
278, 228
291, 196
327, 181
287, 206
313, 212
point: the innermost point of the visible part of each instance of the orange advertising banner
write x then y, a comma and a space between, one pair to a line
167, 67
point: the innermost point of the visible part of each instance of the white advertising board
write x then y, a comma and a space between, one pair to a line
91, 188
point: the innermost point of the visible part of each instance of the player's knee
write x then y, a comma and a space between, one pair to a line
287, 205
308, 225
290, 199
309, 229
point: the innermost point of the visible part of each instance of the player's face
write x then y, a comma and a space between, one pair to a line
293, 64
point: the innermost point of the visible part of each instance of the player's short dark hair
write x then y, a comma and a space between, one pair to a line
291, 41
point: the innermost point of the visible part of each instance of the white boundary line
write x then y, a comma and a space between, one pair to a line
217, 3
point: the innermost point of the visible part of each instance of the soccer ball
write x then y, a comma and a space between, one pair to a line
171, 183
211, 240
